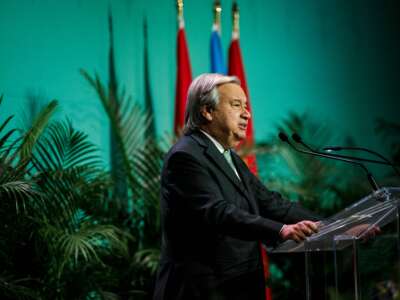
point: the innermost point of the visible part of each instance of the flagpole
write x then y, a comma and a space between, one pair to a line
217, 14
183, 73
179, 7
235, 20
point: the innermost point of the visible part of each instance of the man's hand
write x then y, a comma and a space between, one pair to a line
298, 231
360, 229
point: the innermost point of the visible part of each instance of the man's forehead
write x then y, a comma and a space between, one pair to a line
231, 89
229, 85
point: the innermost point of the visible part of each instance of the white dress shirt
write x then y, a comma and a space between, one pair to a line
223, 151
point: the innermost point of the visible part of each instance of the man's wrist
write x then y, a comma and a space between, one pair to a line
283, 227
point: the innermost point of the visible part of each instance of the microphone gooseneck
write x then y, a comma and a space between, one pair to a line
384, 159
310, 151
299, 140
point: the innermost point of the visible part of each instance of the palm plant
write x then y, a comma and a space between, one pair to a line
141, 163
17, 191
60, 240
79, 213
69, 175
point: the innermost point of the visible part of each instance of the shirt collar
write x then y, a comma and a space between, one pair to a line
215, 142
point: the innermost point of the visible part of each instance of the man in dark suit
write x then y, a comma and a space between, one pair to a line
214, 211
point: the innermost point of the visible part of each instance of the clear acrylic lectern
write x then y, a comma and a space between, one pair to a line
346, 230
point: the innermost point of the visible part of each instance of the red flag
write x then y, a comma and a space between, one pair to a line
236, 69
183, 77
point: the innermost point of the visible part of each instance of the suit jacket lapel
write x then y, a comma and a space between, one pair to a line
223, 165
218, 159
241, 168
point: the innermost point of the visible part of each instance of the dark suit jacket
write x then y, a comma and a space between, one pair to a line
212, 221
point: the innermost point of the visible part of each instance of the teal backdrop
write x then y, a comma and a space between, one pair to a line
336, 60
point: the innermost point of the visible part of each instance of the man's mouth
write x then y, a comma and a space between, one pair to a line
243, 126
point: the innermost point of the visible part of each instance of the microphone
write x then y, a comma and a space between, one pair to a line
299, 140
310, 151
385, 160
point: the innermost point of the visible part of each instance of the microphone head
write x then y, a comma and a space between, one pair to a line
283, 137
296, 137
334, 148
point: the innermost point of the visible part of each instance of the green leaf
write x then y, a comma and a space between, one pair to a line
37, 128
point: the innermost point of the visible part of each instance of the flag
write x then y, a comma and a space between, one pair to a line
148, 99
118, 172
216, 54
183, 76
236, 68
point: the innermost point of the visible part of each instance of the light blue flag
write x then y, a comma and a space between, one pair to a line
217, 58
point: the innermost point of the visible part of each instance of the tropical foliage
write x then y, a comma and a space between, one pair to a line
326, 187
323, 185
64, 236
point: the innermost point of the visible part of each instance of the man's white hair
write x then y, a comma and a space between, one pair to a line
203, 92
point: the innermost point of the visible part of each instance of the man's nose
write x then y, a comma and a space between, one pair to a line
246, 114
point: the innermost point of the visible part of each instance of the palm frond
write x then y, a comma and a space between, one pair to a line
63, 147
148, 258
37, 128
147, 163
85, 244
106, 295
7, 146
18, 191
129, 123
15, 189
7, 135
15, 289
67, 166
83, 241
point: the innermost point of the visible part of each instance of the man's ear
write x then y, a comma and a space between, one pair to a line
206, 112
